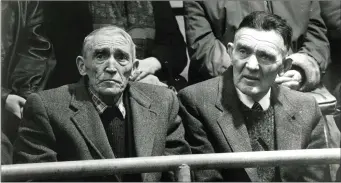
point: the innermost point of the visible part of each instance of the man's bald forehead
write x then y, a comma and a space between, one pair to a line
112, 32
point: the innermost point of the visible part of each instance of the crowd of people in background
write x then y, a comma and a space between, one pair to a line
262, 76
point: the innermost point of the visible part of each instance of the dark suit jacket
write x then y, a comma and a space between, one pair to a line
62, 124
214, 124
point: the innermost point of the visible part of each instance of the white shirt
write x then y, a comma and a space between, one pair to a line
248, 101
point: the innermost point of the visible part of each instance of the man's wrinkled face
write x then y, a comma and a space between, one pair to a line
257, 58
108, 63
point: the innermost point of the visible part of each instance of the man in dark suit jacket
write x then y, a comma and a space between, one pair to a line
244, 110
103, 116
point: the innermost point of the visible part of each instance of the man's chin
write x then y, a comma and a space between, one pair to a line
111, 91
249, 90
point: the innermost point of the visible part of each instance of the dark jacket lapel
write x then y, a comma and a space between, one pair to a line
88, 122
232, 121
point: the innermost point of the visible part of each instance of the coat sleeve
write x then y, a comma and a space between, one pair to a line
331, 14
175, 142
36, 141
35, 56
175, 137
197, 137
170, 47
6, 150
316, 47
207, 53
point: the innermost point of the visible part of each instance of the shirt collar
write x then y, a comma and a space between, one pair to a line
101, 106
248, 101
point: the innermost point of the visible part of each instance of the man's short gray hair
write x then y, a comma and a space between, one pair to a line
110, 31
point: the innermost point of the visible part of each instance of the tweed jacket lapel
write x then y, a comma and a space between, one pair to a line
88, 122
287, 118
287, 127
143, 120
231, 120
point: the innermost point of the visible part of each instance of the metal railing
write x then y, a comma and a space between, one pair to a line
180, 163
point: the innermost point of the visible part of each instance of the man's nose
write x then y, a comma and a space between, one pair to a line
252, 63
111, 66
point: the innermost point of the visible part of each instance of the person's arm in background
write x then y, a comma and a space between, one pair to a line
12, 103
312, 59
6, 150
207, 53
168, 55
35, 56
331, 14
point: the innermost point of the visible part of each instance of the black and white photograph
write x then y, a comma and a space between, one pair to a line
170, 91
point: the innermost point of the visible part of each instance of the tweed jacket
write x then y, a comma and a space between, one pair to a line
62, 124
214, 124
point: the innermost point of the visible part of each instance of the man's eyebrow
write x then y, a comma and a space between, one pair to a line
243, 45
100, 50
268, 52
122, 52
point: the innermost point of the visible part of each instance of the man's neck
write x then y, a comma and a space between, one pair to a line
111, 100
264, 100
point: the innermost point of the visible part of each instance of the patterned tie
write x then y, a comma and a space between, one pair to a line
257, 107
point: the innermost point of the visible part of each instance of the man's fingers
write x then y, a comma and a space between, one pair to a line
142, 75
22, 101
282, 79
294, 85
134, 75
289, 73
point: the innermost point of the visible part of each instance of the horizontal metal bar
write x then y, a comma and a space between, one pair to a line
103, 167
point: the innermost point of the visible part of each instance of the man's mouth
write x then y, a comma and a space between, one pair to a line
252, 78
112, 81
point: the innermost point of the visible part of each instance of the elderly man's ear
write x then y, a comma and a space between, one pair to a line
229, 48
286, 65
135, 71
81, 65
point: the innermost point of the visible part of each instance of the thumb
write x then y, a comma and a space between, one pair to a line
22, 101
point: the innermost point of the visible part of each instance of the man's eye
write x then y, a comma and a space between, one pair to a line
100, 56
264, 56
121, 56
243, 52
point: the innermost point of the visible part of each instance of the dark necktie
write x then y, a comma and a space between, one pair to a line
257, 107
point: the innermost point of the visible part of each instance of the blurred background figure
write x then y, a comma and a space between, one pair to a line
331, 14
160, 46
27, 59
210, 25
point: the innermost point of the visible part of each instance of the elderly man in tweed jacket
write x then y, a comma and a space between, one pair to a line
244, 110
103, 116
